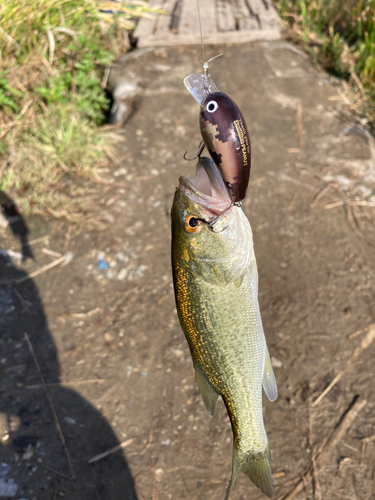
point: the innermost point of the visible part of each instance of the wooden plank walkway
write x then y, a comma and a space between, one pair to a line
223, 21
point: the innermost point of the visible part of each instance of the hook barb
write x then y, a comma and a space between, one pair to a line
199, 152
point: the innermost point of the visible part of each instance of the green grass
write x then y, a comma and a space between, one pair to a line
339, 35
58, 148
53, 58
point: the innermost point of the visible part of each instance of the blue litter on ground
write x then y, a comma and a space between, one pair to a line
102, 264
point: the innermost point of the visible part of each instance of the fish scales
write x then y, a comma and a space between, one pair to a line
233, 363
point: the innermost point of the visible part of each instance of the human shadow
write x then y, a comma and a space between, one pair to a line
32, 456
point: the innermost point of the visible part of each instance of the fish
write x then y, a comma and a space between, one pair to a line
216, 290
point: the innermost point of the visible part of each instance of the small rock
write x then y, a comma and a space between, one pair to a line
5, 438
276, 362
28, 453
122, 274
120, 171
178, 352
9, 310
69, 420
166, 442
4, 222
15, 256
159, 473
124, 90
162, 67
68, 257
4, 470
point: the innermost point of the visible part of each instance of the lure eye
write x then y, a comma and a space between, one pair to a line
192, 224
212, 106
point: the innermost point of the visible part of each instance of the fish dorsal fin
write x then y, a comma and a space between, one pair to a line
207, 390
269, 381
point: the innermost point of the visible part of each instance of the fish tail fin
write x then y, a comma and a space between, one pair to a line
230, 485
257, 467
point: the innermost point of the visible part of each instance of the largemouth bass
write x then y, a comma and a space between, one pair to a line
216, 288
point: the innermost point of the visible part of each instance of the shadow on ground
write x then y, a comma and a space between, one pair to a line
37, 465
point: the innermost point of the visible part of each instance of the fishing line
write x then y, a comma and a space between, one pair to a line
200, 28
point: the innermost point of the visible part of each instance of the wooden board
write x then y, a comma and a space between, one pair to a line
223, 21
146, 28
165, 20
267, 15
215, 38
189, 21
245, 20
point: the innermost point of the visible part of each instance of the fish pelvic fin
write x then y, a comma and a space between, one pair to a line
269, 381
257, 467
239, 281
207, 390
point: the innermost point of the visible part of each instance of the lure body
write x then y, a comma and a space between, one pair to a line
226, 137
224, 133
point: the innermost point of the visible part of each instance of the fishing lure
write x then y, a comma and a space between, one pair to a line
224, 132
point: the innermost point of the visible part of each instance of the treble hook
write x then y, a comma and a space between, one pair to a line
212, 222
199, 152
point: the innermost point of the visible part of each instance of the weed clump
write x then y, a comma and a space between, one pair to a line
54, 55
339, 35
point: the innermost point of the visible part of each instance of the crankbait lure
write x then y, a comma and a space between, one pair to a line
224, 132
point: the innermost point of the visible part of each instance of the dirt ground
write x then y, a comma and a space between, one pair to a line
104, 329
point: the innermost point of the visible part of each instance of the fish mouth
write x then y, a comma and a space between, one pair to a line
207, 189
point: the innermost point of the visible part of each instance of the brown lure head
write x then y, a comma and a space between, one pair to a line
227, 139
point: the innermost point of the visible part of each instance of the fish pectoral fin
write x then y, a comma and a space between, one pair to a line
207, 390
269, 381
239, 281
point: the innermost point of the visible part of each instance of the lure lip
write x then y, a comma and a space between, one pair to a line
200, 86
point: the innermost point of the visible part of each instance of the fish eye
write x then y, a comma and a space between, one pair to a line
212, 106
192, 224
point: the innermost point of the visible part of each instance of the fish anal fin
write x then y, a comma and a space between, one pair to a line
269, 381
259, 471
207, 390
